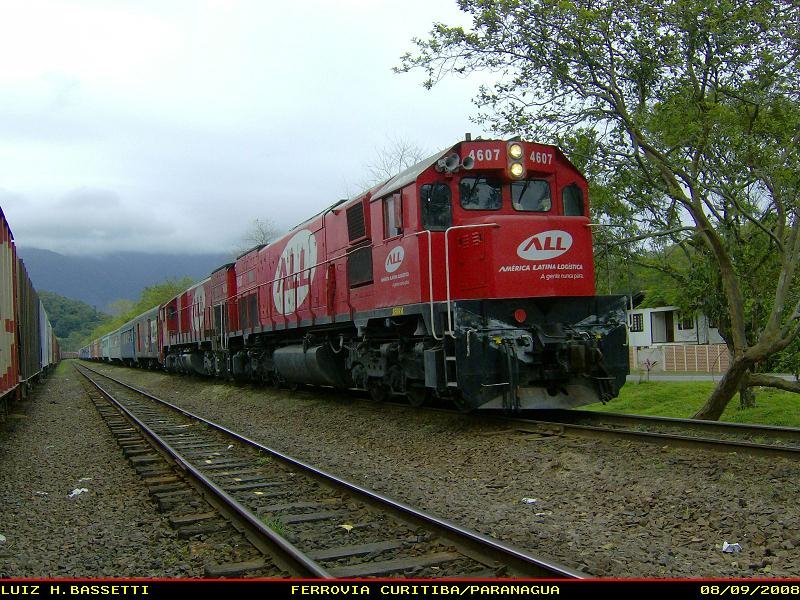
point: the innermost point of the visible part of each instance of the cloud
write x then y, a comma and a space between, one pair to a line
172, 126
86, 221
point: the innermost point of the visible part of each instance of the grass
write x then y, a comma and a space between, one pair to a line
276, 525
683, 398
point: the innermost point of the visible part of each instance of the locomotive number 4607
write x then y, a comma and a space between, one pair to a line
543, 158
490, 154
484, 154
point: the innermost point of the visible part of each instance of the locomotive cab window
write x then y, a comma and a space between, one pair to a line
436, 209
480, 193
392, 216
531, 195
572, 199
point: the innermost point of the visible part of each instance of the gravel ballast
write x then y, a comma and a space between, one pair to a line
53, 444
610, 508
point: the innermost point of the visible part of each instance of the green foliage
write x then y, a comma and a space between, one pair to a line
685, 115
150, 297
276, 525
72, 320
683, 398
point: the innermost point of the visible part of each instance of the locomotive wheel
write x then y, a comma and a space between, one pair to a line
460, 403
378, 391
416, 395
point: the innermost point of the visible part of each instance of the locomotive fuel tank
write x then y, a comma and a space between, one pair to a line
317, 365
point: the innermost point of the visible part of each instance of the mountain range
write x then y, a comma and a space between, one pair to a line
101, 280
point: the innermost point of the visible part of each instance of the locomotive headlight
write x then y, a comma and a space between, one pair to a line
515, 151
516, 170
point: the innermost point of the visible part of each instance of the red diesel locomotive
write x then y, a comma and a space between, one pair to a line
468, 278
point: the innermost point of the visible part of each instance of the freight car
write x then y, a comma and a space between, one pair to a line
467, 278
28, 346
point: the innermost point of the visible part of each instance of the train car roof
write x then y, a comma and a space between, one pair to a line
225, 266
410, 175
390, 185
407, 177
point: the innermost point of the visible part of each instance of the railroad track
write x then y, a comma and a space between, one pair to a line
312, 523
727, 437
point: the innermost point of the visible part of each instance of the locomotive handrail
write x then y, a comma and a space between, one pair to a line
430, 283
450, 331
294, 275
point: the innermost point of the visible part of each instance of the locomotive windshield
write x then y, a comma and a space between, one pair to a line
436, 209
480, 193
531, 195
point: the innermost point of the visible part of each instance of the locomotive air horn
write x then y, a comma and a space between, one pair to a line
467, 163
449, 164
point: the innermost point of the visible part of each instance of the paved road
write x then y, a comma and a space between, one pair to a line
636, 378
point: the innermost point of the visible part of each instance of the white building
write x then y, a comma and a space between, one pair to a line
666, 325
665, 340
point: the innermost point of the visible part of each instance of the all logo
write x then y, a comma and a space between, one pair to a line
394, 259
295, 272
545, 245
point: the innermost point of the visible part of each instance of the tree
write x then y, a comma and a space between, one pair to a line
72, 320
120, 307
688, 113
150, 297
396, 156
262, 231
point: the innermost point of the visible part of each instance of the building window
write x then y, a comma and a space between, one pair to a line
637, 322
685, 323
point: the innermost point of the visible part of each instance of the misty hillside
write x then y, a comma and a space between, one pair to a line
99, 281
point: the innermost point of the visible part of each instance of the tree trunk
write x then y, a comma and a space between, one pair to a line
725, 390
747, 396
764, 380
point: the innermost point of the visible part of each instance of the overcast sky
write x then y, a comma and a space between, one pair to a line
171, 126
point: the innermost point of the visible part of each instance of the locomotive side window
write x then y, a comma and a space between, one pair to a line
531, 195
572, 199
437, 212
392, 216
480, 193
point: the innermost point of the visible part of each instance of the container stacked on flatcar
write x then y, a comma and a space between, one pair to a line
467, 278
9, 357
28, 346
28, 325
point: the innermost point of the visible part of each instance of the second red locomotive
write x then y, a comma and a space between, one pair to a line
468, 277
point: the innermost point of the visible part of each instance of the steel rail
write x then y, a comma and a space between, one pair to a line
302, 564
751, 429
563, 422
519, 561
567, 421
